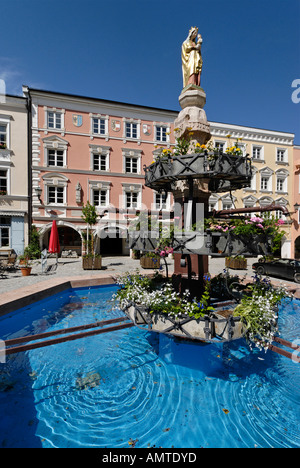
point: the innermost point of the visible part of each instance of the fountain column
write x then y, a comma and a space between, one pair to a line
192, 124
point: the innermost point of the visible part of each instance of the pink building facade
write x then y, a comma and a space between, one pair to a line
86, 149
296, 194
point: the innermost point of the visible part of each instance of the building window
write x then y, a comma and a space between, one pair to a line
220, 145
56, 195
55, 157
3, 136
226, 205
264, 183
161, 133
99, 162
131, 199
161, 201
280, 183
100, 197
54, 120
3, 182
131, 164
281, 155
98, 126
131, 130
5, 231
257, 152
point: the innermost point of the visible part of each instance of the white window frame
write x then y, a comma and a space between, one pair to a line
96, 150
161, 129
55, 188
5, 120
220, 143
156, 206
55, 180
101, 191
135, 154
99, 117
261, 152
7, 178
132, 188
55, 143
5, 226
138, 129
281, 155
55, 112
282, 175
101, 186
55, 150
266, 173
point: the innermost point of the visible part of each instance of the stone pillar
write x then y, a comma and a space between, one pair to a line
191, 123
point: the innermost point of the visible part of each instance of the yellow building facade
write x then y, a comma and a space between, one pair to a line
271, 153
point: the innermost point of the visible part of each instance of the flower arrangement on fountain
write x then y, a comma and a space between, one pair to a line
185, 144
257, 310
158, 295
268, 225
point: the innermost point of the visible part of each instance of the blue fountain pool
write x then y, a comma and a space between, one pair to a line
143, 389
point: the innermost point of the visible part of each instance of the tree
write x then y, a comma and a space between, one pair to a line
89, 215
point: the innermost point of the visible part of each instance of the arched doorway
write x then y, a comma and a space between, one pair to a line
69, 239
297, 247
113, 241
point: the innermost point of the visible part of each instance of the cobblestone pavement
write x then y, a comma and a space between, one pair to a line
72, 267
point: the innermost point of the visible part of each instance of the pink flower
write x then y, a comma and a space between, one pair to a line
279, 222
162, 253
260, 225
169, 250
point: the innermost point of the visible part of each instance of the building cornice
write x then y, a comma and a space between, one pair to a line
221, 130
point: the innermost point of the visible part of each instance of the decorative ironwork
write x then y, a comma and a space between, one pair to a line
225, 171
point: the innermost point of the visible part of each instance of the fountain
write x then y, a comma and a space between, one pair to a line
192, 171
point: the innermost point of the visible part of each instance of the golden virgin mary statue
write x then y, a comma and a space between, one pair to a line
191, 58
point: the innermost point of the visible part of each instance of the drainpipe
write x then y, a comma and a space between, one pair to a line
29, 160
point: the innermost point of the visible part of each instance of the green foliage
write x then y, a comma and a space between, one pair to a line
89, 214
33, 250
258, 310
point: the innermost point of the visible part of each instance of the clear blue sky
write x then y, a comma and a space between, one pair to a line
129, 51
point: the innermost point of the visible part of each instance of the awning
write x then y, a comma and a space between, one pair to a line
12, 213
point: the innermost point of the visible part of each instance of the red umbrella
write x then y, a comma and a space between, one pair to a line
54, 246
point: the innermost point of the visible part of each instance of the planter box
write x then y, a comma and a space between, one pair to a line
91, 263
205, 328
231, 167
227, 326
235, 263
228, 244
145, 241
158, 173
150, 262
190, 165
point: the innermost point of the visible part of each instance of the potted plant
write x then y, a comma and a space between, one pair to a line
237, 263
25, 264
91, 260
150, 260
